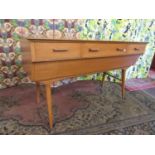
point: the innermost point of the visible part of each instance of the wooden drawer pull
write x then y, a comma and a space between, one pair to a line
93, 49
60, 50
121, 49
136, 49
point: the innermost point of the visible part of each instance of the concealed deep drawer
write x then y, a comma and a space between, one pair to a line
56, 51
89, 50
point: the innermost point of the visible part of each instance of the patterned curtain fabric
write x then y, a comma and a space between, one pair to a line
11, 70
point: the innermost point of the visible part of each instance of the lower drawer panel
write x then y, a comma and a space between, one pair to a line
62, 69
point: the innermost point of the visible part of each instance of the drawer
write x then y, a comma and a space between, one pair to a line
136, 48
56, 51
110, 49
92, 50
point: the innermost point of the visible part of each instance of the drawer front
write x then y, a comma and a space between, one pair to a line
92, 50
72, 68
108, 49
136, 48
56, 51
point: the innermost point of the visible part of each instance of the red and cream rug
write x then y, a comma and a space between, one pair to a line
83, 107
141, 84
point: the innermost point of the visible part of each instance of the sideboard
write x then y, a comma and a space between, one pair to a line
48, 60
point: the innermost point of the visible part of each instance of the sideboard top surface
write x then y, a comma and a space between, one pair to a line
82, 41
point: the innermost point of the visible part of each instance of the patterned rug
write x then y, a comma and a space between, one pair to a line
150, 92
82, 107
152, 74
140, 84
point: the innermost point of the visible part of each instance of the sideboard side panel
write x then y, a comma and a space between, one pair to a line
26, 56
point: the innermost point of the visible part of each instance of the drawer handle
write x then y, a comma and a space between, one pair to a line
93, 49
60, 50
121, 49
136, 49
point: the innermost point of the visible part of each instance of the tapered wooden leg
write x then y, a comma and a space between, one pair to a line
37, 92
49, 102
123, 82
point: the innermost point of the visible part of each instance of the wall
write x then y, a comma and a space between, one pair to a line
11, 70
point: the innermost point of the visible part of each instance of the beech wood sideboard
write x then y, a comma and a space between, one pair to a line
48, 60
